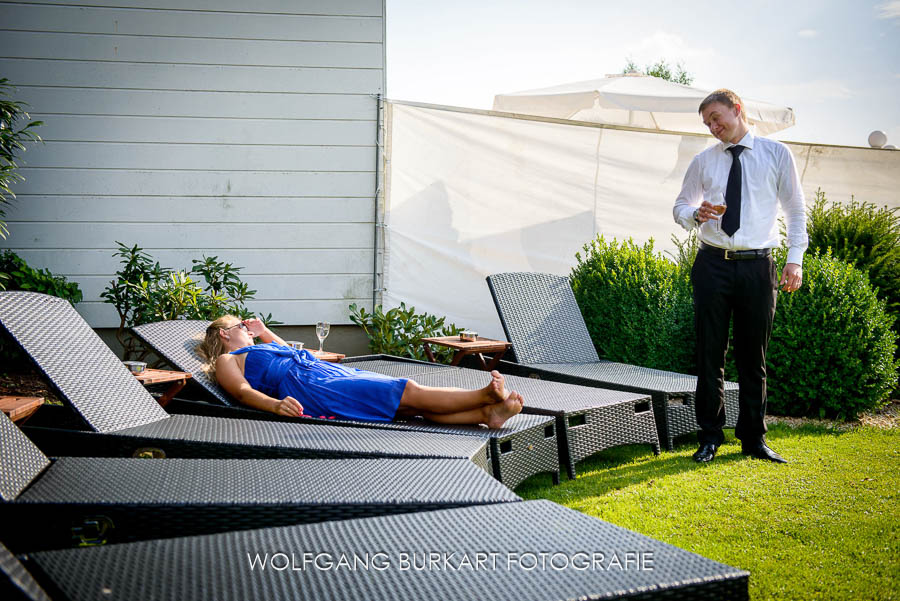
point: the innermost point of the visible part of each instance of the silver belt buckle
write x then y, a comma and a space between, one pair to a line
728, 255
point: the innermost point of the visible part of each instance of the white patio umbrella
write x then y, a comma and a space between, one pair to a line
635, 100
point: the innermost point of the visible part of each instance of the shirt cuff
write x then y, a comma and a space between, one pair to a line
795, 255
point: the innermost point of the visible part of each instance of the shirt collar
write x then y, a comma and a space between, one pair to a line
746, 142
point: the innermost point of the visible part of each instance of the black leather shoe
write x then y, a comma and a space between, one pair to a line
762, 451
706, 452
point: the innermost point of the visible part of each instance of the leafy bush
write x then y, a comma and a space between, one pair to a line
21, 276
144, 292
11, 144
832, 348
864, 236
400, 331
637, 304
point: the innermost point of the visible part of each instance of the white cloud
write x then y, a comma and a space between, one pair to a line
807, 33
669, 47
889, 9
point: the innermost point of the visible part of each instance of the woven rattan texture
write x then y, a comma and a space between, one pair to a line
77, 362
612, 418
219, 566
673, 393
541, 318
282, 439
19, 581
20, 460
264, 481
528, 452
175, 341
395, 368
174, 497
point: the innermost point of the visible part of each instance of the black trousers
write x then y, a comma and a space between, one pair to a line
744, 290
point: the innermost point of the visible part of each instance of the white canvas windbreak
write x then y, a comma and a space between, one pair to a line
469, 193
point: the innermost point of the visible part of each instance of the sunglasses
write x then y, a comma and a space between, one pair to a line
241, 325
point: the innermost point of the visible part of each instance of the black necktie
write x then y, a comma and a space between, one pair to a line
731, 221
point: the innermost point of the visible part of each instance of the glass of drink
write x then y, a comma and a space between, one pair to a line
322, 330
719, 207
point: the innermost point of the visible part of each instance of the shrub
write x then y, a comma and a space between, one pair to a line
864, 236
637, 304
832, 348
400, 331
20, 276
12, 143
144, 292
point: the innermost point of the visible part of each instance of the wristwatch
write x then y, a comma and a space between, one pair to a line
695, 215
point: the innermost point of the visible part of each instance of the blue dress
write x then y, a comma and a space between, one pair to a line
324, 389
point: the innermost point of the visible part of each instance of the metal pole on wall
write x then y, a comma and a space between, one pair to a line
378, 184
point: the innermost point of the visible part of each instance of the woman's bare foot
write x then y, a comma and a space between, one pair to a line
498, 413
495, 392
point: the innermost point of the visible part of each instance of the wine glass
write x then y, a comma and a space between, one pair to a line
719, 206
322, 330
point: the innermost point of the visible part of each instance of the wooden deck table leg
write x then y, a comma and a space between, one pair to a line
170, 393
458, 357
493, 364
428, 352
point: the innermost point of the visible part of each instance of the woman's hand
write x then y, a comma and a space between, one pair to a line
289, 406
255, 326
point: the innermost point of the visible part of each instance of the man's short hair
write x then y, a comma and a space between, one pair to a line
726, 97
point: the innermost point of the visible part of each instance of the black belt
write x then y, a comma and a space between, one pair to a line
736, 255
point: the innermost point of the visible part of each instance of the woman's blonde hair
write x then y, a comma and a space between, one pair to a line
210, 344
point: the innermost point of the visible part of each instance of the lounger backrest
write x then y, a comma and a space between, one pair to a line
541, 318
17, 579
87, 374
20, 460
176, 341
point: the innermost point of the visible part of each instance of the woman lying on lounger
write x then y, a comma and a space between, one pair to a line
274, 377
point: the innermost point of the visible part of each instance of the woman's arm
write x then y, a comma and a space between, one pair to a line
259, 330
228, 374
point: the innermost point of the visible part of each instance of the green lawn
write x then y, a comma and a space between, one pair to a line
824, 526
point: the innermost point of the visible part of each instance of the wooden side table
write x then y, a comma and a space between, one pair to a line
19, 408
328, 356
464, 348
162, 376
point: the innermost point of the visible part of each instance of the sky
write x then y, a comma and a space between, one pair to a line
835, 62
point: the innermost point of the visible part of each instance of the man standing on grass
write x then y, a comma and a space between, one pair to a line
731, 192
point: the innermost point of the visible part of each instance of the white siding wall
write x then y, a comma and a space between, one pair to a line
244, 130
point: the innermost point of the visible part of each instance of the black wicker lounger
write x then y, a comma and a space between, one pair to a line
530, 551
550, 340
588, 419
522, 448
119, 417
75, 500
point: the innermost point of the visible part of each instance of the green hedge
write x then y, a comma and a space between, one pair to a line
864, 236
832, 347
637, 304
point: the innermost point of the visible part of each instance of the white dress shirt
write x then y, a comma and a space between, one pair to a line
769, 177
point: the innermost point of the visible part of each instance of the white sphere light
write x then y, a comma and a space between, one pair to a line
889, 147
877, 139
